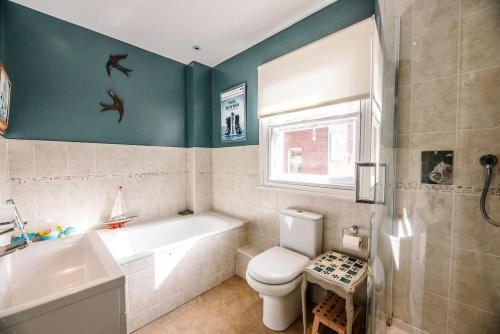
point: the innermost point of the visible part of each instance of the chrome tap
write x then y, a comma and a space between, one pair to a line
16, 223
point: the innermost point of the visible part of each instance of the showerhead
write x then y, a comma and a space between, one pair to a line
488, 161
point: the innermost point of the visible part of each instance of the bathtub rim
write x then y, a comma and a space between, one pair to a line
235, 224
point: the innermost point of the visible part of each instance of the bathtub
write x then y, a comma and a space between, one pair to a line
170, 261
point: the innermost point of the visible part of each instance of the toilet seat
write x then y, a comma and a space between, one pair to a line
277, 266
276, 290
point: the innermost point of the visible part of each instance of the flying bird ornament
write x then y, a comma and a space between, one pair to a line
116, 106
114, 62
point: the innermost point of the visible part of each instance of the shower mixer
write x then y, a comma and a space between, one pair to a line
488, 161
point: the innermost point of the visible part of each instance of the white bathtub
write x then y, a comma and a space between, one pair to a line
170, 261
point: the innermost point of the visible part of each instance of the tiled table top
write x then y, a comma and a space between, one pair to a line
343, 270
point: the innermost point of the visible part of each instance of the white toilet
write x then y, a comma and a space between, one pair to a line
276, 274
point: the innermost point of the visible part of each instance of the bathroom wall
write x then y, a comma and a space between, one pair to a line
243, 67
199, 179
198, 102
447, 278
58, 72
236, 192
2, 27
76, 183
4, 172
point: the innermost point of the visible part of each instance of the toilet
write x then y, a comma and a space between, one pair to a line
276, 274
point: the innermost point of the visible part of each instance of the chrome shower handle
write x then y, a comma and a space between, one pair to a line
488, 162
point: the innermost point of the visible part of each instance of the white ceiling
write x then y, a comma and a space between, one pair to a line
223, 28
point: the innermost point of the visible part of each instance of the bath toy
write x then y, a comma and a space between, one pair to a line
69, 230
48, 234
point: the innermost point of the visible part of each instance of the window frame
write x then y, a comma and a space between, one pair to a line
362, 152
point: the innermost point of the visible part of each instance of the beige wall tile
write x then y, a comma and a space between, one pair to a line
406, 46
469, 229
430, 142
131, 158
404, 109
429, 312
429, 267
81, 159
355, 214
82, 205
435, 53
470, 6
471, 145
401, 302
480, 40
21, 158
52, 206
474, 279
401, 255
107, 159
403, 158
106, 194
430, 214
4, 160
434, 105
478, 99
132, 196
51, 158
24, 195
464, 319
430, 13
151, 197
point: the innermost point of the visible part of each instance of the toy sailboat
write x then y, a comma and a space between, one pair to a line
118, 217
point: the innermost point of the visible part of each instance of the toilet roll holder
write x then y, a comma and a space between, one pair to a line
352, 230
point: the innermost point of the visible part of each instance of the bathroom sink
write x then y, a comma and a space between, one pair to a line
50, 275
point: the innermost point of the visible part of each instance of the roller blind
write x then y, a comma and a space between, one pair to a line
333, 69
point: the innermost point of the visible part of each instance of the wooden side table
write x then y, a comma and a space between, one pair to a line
338, 273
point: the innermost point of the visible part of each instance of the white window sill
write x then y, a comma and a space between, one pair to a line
340, 194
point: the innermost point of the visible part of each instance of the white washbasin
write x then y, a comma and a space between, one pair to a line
51, 274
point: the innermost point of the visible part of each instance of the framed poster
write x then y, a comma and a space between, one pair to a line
5, 87
233, 113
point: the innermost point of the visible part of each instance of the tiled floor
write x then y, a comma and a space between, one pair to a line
232, 308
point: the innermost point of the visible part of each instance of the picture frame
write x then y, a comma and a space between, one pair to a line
233, 113
5, 95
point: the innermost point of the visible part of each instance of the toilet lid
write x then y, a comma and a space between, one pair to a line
277, 265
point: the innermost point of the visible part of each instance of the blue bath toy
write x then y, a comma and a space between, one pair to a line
69, 230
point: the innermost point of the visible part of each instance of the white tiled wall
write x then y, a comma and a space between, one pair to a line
236, 192
199, 181
75, 184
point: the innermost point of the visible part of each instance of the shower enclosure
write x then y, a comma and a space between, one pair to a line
383, 153
435, 250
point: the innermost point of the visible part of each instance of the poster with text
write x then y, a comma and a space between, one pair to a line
233, 113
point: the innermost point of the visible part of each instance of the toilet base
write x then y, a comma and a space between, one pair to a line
280, 312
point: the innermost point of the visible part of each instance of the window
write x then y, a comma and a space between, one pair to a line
314, 149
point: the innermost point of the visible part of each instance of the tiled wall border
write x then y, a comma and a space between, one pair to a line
91, 177
455, 189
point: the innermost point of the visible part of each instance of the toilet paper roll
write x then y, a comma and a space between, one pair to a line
352, 242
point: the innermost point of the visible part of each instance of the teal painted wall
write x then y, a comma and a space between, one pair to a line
59, 78
2, 45
243, 67
198, 105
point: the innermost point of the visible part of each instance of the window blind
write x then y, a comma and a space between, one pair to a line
333, 69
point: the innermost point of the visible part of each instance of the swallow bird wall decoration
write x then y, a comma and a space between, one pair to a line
114, 62
116, 106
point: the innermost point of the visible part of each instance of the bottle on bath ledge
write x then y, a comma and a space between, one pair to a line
118, 217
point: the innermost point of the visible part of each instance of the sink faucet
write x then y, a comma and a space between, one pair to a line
17, 222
